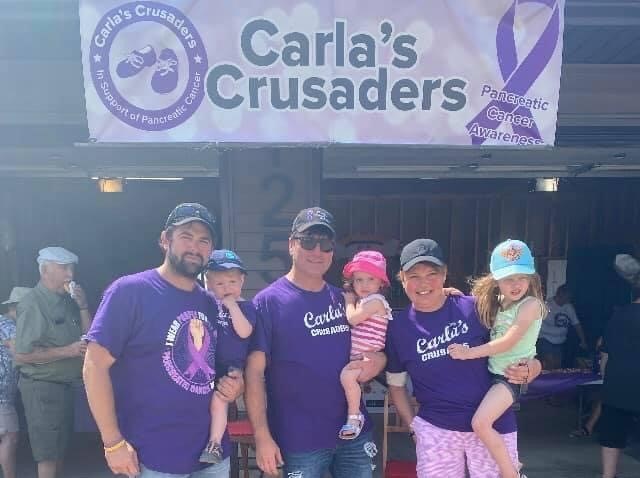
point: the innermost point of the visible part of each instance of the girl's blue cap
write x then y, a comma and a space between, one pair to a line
511, 257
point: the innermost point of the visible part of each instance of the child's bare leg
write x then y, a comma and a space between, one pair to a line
497, 400
219, 410
349, 381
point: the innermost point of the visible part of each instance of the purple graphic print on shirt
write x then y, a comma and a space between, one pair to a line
164, 341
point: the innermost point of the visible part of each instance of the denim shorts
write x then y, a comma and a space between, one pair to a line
517, 390
221, 470
349, 459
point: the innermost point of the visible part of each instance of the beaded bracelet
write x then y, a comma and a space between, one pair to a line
117, 446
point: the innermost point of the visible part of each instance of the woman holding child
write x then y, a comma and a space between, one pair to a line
448, 391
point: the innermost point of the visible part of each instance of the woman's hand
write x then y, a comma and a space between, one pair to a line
452, 291
525, 371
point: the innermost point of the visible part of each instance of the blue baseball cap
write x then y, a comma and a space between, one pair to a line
224, 260
511, 257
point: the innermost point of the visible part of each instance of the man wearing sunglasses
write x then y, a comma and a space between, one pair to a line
301, 343
150, 364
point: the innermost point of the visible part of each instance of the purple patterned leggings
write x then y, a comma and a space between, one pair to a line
443, 452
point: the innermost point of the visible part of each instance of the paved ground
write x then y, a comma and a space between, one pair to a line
545, 447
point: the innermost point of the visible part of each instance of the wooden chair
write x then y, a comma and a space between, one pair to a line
392, 424
241, 432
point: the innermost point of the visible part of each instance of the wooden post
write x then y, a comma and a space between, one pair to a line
262, 191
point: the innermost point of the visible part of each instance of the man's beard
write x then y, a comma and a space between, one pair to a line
186, 269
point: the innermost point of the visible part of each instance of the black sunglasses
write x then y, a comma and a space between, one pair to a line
194, 211
309, 243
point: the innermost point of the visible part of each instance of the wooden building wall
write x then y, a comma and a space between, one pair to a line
587, 224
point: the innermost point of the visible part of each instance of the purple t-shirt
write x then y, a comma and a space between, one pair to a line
306, 338
448, 391
232, 349
164, 342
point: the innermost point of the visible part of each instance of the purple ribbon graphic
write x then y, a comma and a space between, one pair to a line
199, 358
519, 78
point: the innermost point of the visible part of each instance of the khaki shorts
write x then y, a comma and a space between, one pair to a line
48, 408
8, 419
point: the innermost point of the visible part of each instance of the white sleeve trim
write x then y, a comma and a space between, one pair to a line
398, 379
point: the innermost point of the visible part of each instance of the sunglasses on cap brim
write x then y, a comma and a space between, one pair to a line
309, 243
194, 211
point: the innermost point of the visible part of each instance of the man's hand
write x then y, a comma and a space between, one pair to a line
77, 349
525, 371
231, 386
459, 351
349, 298
124, 461
268, 456
80, 297
371, 364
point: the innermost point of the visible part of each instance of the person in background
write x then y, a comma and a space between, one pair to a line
621, 371
51, 320
595, 398
555, 328
9, 425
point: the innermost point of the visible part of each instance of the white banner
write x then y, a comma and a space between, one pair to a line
469, 72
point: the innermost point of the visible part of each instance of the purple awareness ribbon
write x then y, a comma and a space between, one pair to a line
519, 78
199, 358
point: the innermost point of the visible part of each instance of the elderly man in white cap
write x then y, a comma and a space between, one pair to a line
51, 320
9, 384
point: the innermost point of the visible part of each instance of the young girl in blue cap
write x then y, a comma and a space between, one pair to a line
509, 302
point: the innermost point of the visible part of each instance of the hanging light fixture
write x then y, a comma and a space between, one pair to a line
547, 184
110, 185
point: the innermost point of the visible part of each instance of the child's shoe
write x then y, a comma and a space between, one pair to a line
212, 453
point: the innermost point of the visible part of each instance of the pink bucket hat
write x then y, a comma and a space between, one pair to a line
371, 262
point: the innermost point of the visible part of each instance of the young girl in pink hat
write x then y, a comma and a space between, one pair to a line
368, 313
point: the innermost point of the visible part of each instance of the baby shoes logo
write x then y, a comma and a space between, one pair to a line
165, 77
154, 69
512, 252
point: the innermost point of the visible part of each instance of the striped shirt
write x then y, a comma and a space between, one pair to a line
370, 334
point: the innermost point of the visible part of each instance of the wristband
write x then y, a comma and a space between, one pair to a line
117, 446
